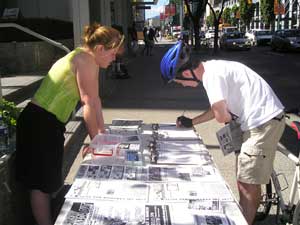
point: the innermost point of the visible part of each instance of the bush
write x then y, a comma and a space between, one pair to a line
9, 113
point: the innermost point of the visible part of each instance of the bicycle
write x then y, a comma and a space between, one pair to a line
290, 210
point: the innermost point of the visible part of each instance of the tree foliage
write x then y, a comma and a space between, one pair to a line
210, 20
267, 12
246, 12
226, 17
234, 11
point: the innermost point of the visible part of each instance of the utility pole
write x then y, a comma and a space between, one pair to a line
181, 13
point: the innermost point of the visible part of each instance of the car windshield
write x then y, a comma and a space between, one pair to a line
263, 32
235, 35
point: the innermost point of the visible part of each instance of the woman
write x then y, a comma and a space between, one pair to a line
41, 125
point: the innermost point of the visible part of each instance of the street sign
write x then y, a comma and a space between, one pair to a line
278, 8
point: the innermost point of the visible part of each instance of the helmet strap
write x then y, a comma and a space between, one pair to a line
194, 76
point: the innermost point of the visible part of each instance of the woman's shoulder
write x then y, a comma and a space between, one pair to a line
82, 57
83, 60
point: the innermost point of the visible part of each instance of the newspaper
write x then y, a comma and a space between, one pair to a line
180, 158
126, 124
194, 146
124, 132
173, 134
105, 212
204, 173
124, 189
147, 192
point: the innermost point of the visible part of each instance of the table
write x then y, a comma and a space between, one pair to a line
159, 174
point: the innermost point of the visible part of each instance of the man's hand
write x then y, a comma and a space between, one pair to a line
183, 121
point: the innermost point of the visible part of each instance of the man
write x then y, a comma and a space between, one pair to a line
234, 89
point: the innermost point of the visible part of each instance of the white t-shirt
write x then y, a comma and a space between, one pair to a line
246, 93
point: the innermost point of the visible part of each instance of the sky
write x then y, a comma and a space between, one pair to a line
156, 9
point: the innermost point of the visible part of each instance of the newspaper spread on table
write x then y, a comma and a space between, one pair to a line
181, 186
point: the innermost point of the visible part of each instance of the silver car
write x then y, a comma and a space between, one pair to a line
286, 40
234, 41
259, 37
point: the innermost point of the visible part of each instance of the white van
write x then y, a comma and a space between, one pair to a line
229, 29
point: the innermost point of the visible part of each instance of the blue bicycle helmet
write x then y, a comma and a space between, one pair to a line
173, 60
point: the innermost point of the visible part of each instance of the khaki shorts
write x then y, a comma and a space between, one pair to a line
255, 161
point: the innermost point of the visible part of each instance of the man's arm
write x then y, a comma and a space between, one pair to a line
218, 110
221, 112
204, 117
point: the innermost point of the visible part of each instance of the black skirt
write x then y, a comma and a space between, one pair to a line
39, 149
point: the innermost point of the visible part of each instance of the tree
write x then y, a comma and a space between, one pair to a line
226, 17
210, 20
246, 12
217, 16
195, 17
235, 11
267, 12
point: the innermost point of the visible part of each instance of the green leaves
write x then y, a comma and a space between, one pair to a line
9, 112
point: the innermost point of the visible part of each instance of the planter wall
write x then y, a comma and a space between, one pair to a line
22, 57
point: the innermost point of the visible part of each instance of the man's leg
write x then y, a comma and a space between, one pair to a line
40, 205
249, 199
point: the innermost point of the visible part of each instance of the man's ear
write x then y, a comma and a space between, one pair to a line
185, 73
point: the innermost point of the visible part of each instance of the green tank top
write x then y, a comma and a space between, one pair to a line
59, 92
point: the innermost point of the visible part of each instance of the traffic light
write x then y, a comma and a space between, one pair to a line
249, 2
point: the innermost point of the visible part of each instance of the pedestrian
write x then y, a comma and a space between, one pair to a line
146, 41
132, 33
234, 89
151, 39
41, 125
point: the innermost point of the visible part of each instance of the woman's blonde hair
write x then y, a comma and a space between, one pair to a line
96, 34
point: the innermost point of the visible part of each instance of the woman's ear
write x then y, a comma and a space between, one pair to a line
99, 48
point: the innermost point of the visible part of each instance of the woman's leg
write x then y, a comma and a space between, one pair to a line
41, 209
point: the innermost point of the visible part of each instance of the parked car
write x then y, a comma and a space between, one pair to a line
259, 36
229, 29
176, 30
286, 40
201, 34
209, 34
234, 41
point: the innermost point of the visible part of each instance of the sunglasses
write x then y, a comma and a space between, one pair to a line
194, 78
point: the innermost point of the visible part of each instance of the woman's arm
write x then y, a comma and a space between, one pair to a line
87, 80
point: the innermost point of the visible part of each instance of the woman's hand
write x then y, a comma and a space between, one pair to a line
86, 150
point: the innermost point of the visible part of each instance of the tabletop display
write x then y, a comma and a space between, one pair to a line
149, 174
